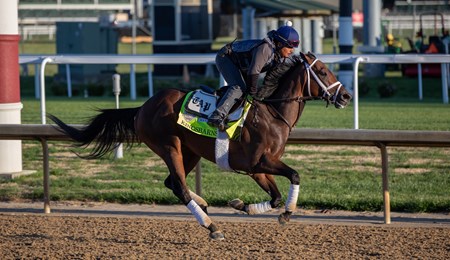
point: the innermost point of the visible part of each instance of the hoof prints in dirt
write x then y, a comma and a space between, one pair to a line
31, 236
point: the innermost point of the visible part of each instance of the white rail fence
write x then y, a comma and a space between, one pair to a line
28, 31
208, 59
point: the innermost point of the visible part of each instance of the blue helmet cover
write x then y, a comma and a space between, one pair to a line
288, 36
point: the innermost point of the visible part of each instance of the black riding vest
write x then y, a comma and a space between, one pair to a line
242, 53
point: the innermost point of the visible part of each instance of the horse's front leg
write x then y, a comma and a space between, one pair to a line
291, 200
184, 194
177, 181
268, 184
190, 160
199, 200
277, 167
291, 204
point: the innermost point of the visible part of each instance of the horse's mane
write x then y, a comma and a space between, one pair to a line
278, 77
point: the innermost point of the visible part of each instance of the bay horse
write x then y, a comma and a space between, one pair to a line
257, 153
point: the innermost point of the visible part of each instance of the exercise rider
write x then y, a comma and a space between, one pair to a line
241, 62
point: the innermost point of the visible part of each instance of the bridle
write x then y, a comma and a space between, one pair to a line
327, 96
325, 89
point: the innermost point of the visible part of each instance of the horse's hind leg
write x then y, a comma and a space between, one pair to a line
268, 184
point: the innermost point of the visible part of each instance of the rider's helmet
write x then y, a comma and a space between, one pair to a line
286, 35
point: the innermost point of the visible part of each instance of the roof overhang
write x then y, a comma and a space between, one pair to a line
289, 8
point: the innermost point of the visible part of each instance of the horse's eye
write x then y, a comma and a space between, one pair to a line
322, 73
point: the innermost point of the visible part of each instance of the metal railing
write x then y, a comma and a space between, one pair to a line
378, 138
208, 59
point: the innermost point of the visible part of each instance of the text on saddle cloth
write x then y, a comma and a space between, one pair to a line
196, 108
202, 104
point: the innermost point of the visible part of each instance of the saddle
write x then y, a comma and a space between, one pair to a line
203, 102
200, 103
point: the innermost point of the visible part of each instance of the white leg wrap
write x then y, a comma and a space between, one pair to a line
291, 202
199, 214
259, 208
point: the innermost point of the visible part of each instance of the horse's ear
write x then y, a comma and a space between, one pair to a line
303, 56
310, 54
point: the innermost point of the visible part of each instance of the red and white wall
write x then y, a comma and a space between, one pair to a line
10, 105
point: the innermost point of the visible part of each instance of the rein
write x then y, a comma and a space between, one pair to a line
296, 99
326, 94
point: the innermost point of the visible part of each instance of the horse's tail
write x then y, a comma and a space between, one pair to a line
107, 130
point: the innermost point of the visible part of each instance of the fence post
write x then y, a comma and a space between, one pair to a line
444, 78
118, 152
37, 91
445, 73
356, 92
133, 81
150, 80
42, 88
385, 180
45, 161
69, 81
419, 76
186, 77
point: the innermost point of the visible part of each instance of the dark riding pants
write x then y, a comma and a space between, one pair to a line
234, 79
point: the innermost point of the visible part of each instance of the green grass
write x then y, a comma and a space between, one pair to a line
332, 177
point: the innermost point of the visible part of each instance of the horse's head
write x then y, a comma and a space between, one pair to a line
321, 82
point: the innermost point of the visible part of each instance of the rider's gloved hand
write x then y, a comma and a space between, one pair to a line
252, 83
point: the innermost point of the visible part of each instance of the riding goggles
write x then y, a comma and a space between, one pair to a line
292, 44
288, 43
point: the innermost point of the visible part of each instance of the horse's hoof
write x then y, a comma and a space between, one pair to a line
237, 204
216, 235
283, 219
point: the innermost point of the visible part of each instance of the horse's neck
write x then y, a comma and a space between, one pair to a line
291, 88
292, 82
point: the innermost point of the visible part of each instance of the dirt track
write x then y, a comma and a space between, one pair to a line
84, 233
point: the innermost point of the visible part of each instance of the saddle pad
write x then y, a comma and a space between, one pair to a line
201, 103
198, 124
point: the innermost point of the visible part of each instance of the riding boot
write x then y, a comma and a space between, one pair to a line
218, 117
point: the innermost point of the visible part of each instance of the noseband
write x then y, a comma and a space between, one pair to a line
326, 94
325, 89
